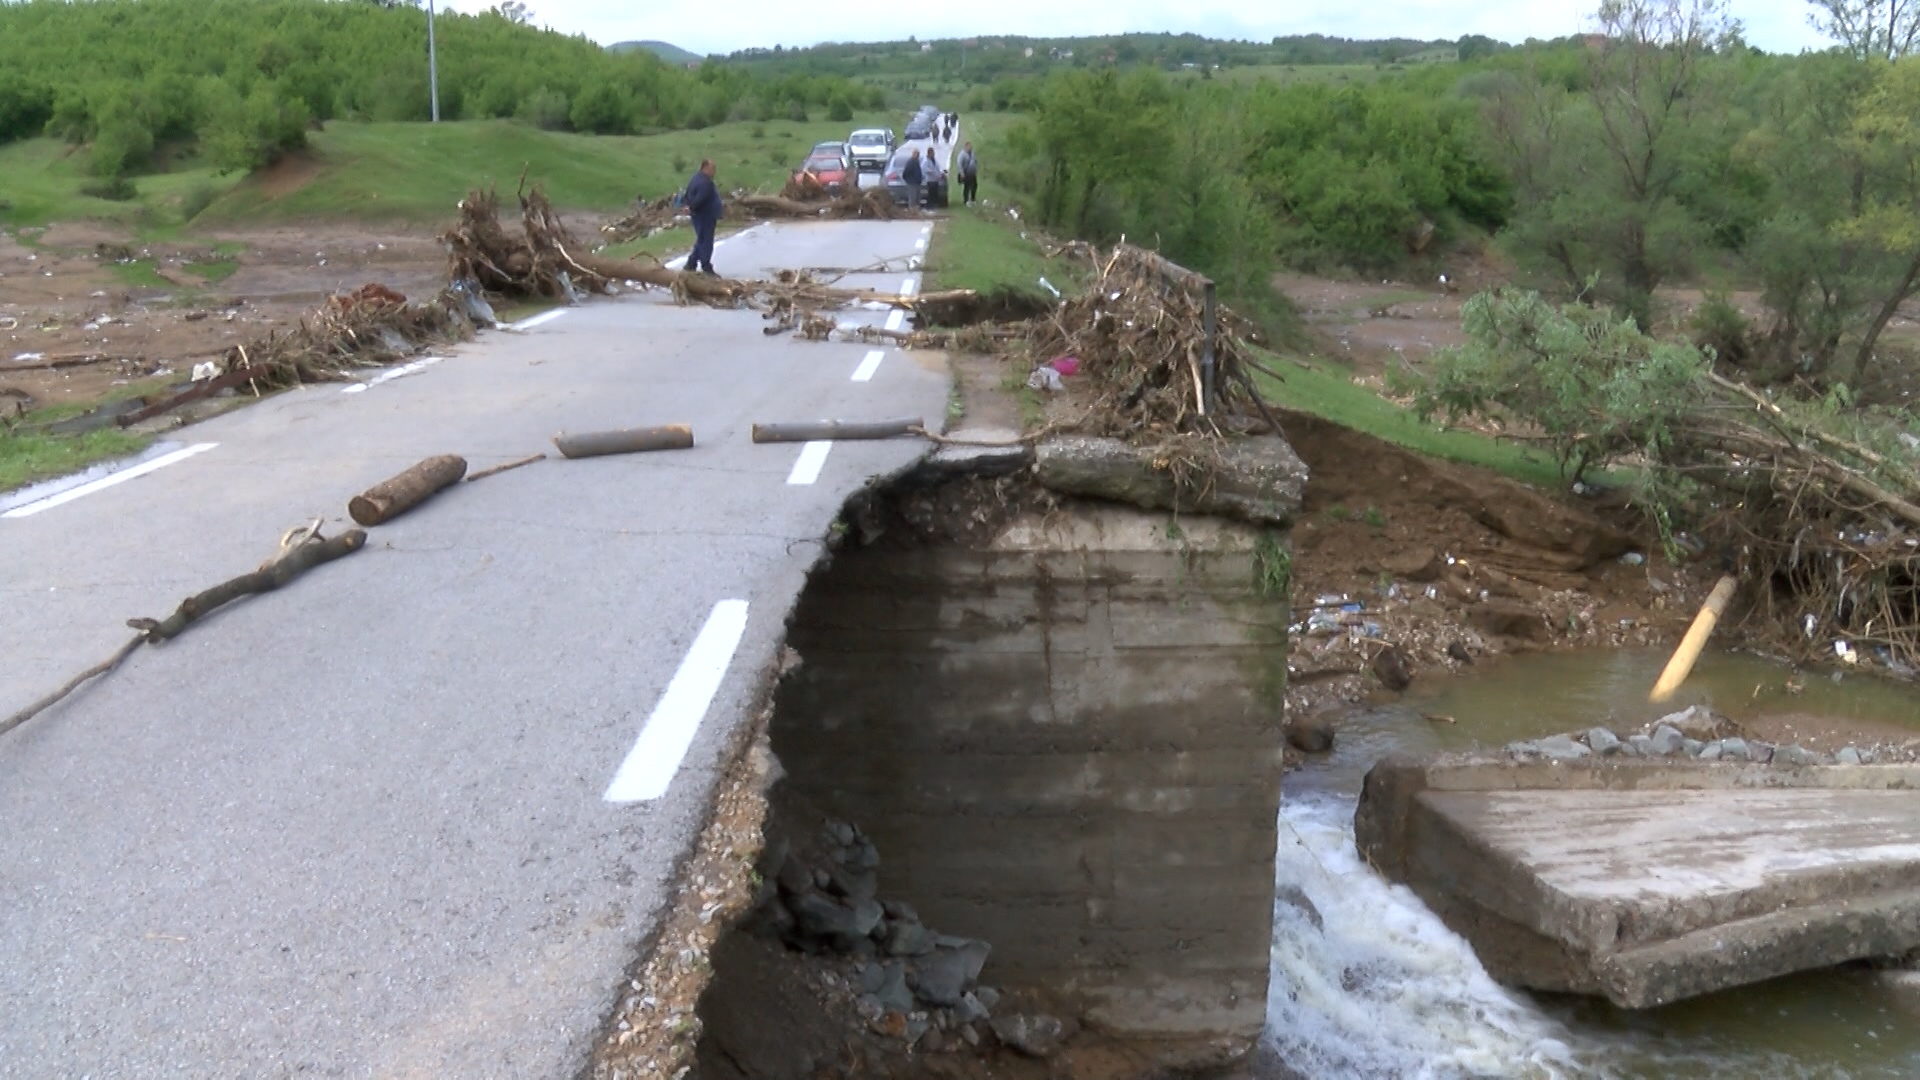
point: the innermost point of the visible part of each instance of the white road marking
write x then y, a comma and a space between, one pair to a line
392, 373
908, 286
537, 320
894, 320
108, 481
676, 262
649, 768
812, 456
868, 366
920, 244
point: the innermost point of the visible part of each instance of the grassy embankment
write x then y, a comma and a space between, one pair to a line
984, 249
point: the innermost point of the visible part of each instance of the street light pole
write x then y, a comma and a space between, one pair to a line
433, 66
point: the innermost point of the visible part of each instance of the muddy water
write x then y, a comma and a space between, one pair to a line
1385, 990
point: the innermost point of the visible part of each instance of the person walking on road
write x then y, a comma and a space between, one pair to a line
702, 200
969, 167
913, 175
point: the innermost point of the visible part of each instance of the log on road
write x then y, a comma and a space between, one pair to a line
627, 441
813, 430
390, 498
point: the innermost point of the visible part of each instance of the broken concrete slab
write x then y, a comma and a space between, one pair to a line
978, 452
1258, 480
1649, 881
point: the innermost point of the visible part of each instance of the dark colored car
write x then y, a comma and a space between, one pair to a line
933, 188
830, 165
920, 127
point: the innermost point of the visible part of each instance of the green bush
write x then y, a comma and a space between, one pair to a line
841, 109
121, 144
547, 109
604, 109
111, 188
1719, 328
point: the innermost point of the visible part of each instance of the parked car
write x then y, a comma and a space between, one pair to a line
830, 165
920, 127
933, 188
870, 148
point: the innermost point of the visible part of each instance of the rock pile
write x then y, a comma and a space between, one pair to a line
914, 983
1699, 734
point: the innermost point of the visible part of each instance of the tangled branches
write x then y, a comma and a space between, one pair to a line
372, 326
544, 260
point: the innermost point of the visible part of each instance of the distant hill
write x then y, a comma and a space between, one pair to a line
672, 54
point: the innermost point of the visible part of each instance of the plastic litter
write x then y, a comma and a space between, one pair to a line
1048, 285
1632, 558
1065, 365
1045, 378
208, 370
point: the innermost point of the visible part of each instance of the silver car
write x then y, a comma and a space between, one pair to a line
870, 148
933, 186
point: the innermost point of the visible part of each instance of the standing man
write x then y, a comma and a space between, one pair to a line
969, 167
703, 202
913, 176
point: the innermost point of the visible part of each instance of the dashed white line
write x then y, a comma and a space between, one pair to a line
920, 244
909, 286
868, 366
537, 320
894, 320
392, 373
105, 482
812, 456
649, 768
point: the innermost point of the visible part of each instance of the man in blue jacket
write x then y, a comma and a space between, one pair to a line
702, 200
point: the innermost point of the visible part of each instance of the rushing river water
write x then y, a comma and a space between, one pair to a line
1385, 990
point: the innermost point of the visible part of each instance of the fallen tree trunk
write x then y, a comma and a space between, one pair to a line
627, 441
390, 498
290, 564
814, 430
245, 373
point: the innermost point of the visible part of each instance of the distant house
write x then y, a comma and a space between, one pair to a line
1028, 53
927, 47
1595, 42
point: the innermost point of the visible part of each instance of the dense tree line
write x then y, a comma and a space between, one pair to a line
245, 78
1662, 151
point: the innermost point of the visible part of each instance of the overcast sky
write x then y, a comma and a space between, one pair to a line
721, 26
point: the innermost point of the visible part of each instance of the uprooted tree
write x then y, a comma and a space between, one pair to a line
1818, 507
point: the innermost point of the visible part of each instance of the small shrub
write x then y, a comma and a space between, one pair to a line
797, 111
1339, 513
758, 131
111, 188
546, 109
1717, 325
840, 109
776, 157
680, 164
1374, 518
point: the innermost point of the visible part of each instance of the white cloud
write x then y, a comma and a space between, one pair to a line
1775, 25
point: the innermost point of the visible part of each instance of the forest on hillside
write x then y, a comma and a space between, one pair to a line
244, 79
1672, 154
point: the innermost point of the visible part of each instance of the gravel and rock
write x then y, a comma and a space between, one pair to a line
1699, 734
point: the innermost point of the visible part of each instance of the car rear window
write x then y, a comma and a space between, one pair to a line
825, 161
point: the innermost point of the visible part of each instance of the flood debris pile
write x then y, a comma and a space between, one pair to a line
646, 218
809, 200
544, 260
1826, 524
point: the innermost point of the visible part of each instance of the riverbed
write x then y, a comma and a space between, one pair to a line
1383, 989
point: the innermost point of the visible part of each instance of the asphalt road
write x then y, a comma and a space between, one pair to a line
367, 825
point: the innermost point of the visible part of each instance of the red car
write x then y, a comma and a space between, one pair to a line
830, 167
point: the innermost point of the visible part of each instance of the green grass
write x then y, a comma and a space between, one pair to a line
982, 249
40, 182
139, 274
213, 271
419, 172
27, 458
1329, 394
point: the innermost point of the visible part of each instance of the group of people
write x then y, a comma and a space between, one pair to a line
702, 195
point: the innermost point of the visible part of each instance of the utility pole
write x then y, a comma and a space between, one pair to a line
433, 66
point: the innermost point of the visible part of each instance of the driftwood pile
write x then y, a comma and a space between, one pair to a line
1825, 527
645, 219
803, 196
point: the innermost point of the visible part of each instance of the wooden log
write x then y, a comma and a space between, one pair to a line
626, 441
1681, 665
390, 498
812, 430
206, 389
291, 564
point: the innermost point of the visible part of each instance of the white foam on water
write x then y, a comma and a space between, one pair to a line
1386, 990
